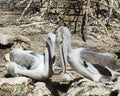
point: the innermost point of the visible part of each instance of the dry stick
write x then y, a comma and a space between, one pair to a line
116, 3
110, 13
110, 7
84, 24
62, 18
66, 11
102, 26
77, 14
25, 10
1, 70
19, 3
33, 24
119, 2
116, 6
86, 16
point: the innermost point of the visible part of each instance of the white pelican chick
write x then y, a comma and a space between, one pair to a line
32, 64
94, 65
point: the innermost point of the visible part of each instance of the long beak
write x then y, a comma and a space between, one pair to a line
48, 59
52, 48
63, 56
49, 52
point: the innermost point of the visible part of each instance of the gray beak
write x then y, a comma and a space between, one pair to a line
63, 55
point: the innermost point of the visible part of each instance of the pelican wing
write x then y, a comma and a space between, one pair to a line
102, 70
24, 58
103, 59
36, 53
94, 68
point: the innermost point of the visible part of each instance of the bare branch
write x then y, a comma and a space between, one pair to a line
25, 10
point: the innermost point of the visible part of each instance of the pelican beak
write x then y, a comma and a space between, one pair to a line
50, 44
49, 53
63, 55
49, 50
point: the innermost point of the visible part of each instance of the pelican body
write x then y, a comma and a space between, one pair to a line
94, 65
32, 64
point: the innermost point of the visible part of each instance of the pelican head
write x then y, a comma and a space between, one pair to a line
64, 44
64, 36
50, 44
49, 55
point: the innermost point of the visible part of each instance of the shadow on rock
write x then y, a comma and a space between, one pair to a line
118, 54
57, 88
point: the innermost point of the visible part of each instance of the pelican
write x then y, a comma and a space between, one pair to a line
32, 64
94, 65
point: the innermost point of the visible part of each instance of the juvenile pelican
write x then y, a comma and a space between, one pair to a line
31, 64
93, 65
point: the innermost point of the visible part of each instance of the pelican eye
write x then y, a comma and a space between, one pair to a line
85, 64
49, 38
60, 42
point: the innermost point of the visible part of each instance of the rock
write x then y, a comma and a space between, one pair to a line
6, 39
89, 88
116, 87
117, 84
10, 41
40, 90
4, 1
66, 76
7, 57
17, 85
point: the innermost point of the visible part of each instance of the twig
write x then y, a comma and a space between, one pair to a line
110, 10
109, 7
25, 10
3, 69
19, 3
102, 26
84, 25
34, 23
83, 28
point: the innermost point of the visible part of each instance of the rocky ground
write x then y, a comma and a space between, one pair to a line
31, 34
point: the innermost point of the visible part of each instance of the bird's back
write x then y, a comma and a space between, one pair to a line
21, 57
104, 59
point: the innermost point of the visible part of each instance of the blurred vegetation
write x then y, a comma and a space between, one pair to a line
78, 15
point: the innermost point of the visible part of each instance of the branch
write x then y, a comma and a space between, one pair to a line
25, 10
102, 26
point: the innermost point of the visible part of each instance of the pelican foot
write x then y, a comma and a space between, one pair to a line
77, 83
67, 76
11, 68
